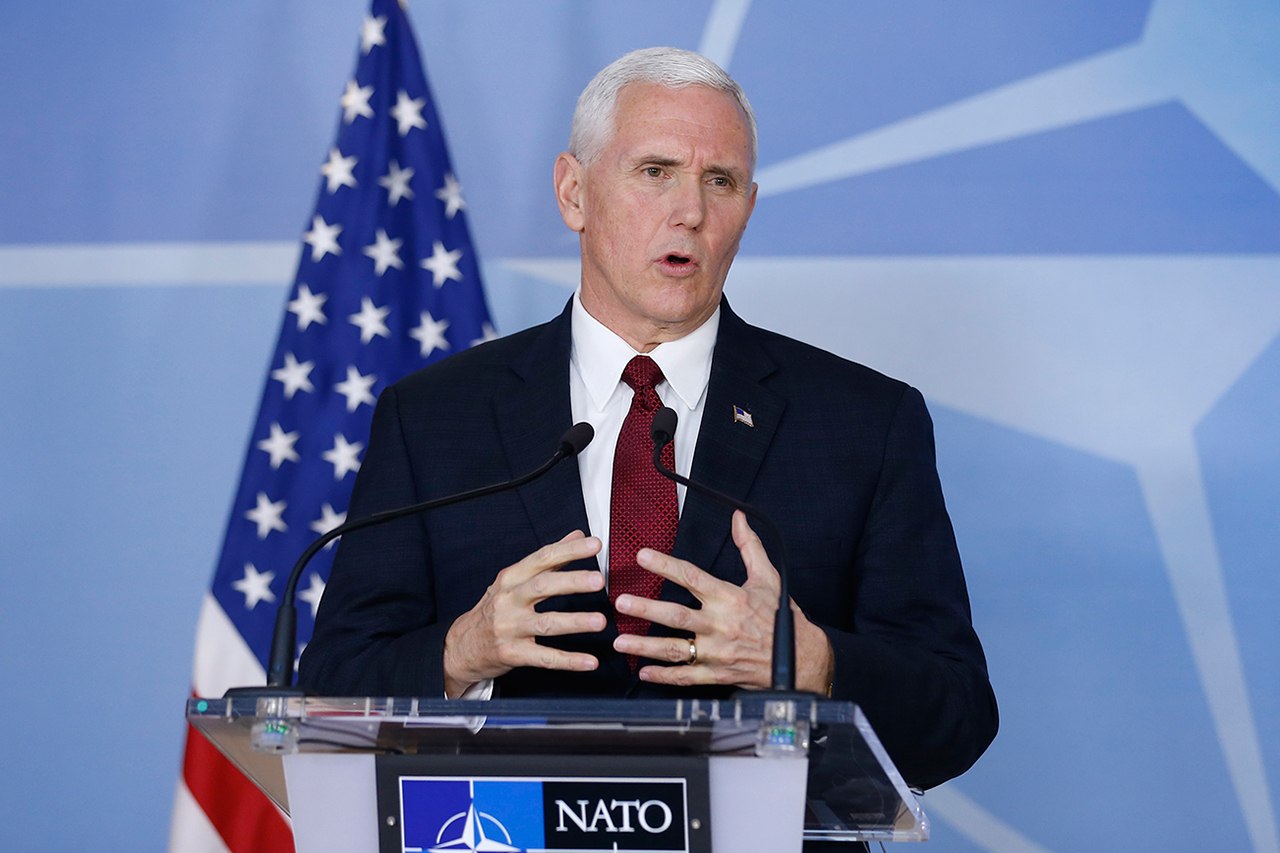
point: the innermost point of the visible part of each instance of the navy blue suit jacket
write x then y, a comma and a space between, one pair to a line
841, 457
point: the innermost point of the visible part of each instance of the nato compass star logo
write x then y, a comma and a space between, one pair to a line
451, 814
1097, 208
472, 835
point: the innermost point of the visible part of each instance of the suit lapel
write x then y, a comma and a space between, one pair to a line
729, 452
531, 417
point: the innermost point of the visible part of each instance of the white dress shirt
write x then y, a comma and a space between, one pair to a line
598, 396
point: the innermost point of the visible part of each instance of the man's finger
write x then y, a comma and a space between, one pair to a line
548, 584
680, 572
532, 654
573, 546
664, 613
558, 624
681, 676
670, 649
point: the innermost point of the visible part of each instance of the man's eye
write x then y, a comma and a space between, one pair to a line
653, 171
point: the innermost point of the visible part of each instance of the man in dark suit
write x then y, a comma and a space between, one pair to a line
511, 594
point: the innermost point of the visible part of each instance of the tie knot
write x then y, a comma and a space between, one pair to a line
642, 372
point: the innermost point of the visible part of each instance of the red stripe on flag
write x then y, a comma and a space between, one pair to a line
247, 821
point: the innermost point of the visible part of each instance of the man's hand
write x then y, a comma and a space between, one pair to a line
498, 634
734, 629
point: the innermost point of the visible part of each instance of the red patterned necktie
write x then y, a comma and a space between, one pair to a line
642, 510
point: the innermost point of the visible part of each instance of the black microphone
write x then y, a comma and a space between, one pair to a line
663, 432
283, 637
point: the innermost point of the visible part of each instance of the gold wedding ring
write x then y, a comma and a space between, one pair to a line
693, 652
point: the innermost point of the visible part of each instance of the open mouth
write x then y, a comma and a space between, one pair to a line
677, 265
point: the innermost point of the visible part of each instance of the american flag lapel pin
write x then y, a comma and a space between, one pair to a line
742, 416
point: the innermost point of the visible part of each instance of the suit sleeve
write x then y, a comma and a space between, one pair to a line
910, 657
377, 632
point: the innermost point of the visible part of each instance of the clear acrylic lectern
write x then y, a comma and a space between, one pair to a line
357, 774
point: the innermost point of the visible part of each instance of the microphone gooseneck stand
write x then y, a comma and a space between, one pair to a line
784, 630
284, 635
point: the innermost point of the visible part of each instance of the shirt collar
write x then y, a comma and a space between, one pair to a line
600, 355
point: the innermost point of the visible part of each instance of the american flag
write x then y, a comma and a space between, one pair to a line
387, 282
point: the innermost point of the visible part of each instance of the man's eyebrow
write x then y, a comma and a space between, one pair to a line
656, 160
728, 171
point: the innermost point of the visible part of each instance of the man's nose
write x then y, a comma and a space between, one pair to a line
688, 205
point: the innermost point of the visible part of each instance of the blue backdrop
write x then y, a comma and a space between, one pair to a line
1060, 220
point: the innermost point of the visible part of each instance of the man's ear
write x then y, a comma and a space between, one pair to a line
569, 180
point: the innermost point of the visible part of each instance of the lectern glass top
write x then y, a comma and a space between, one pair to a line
854, 791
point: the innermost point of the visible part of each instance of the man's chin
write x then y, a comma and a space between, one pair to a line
681, 316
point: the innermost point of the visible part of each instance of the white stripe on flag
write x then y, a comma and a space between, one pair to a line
190, 831
223, 659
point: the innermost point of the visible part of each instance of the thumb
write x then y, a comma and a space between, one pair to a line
759, 569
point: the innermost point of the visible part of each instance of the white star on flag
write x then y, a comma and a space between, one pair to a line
443, 264
355, 102
256, 586
357, 389
372, 32
385, 252
408, 113
338, 171
294, 376
343, 456
280, 446
313, 593
451, 195
267, 515
322, 238
396, 182
371, 320
308, 307
327, 521
487, 333
430, 334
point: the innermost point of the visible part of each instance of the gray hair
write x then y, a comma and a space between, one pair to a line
667, 66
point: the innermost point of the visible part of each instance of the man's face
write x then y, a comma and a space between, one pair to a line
661, 211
